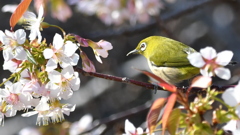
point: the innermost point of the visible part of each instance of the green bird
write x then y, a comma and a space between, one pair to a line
167, 58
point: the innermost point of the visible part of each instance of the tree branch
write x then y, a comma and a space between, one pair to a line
144, 84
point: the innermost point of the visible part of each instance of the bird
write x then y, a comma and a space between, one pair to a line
167, 58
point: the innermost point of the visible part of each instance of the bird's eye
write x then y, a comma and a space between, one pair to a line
143, 46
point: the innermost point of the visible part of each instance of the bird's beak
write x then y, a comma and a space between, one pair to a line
133, 52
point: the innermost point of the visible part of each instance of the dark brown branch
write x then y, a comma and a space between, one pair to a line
144, 84
119, 79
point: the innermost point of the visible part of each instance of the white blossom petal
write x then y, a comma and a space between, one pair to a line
20, 53
51, 65
69, 48
28, 114
20, 36
229, 96
74, 59
54, 76
48, 53
75, 83
223, 73
68, 72
224, 57
196, 59
57, 41
208, 53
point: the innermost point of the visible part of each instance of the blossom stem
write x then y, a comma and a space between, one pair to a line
13, 75
64, 33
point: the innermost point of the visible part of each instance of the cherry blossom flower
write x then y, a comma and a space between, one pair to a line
101, 49
57, 110
62, 53
12, 65
14, 96
34, 24
12, 42
62, 84
212, 63
231, 97
5, 110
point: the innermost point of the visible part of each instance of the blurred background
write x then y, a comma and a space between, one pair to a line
197, 23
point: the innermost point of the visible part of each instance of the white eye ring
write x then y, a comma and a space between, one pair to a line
143, 46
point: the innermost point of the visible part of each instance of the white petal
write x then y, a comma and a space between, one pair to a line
68, 72
10, 65
40, 13
102, 52
224, 57
4, 93
98, 58
20, 53
10, 112
74, 59
51, 65
229, 97
129, 127
3, 37
29, 114
57, 41
29, 15
43, 105
206, 73
67, 94
196, 59
54, 76
7, 54
39, 36
231, 125
139, 130
48, 53
65, 61
208, 53
223, 73
69, 48
20, 36
75, 83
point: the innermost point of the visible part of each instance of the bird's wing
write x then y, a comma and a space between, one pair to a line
176, 56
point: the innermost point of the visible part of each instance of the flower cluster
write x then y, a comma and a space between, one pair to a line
42, 74
117, 11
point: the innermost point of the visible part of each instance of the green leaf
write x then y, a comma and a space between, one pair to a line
30, 57
173, 121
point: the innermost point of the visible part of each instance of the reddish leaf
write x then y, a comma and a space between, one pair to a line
201, 82
161, 83
20, 10
154, 112
168, 109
